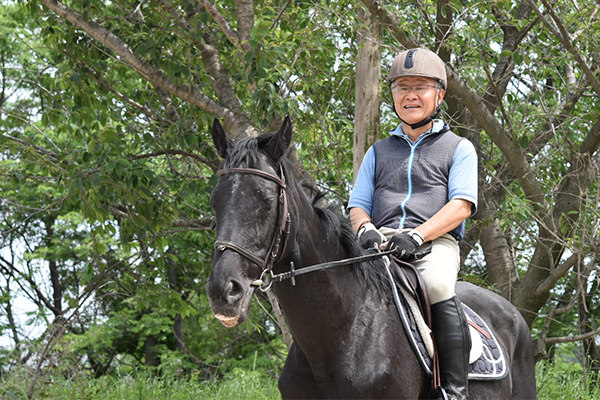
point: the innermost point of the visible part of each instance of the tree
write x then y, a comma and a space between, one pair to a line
367, 124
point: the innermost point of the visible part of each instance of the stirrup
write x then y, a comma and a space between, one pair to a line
439, 394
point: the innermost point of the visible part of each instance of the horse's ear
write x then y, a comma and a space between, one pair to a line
281, 142
220, 138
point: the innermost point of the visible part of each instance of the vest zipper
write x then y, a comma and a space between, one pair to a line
413, 147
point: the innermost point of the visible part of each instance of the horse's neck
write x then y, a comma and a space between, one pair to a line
339, 324
319, 299
322, 301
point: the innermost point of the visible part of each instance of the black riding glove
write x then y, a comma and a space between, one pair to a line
369, 237
405, 243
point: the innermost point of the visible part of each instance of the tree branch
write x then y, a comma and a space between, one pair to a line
197, 157
512, 37
39, 298
576, 338
574, 93
286, 5
222, 22
591, 143
509, 147
235, 120
143, 109
25, 143
204, 224
149, 72
556, 274
245, 21
390, 21
563, 36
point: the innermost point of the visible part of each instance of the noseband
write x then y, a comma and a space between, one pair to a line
281, 234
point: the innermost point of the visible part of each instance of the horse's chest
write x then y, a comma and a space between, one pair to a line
370, 358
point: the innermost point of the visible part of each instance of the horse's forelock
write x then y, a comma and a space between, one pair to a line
242, 154
245, 153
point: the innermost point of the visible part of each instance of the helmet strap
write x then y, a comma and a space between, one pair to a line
423, 122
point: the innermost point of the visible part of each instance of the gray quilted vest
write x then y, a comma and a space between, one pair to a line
411, 179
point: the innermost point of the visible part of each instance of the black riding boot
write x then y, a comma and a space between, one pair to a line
451, 333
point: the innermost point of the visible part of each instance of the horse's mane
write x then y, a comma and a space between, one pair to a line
336, 227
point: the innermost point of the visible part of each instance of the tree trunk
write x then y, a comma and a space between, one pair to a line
178, 323
591, 351
57, 289
151, 357
367, 126
498, 257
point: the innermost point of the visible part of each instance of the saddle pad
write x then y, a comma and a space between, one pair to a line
491, 364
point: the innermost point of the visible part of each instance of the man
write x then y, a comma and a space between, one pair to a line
418, 186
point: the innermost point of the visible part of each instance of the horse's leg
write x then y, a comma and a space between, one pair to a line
519, 351
520, 382
297, 380
523, 365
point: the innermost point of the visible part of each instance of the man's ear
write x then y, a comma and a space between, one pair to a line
441, 95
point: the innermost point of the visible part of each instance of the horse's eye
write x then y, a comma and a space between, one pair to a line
267, 203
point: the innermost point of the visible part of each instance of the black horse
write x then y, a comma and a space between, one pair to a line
348, 340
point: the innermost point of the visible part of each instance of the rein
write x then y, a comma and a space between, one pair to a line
292, 273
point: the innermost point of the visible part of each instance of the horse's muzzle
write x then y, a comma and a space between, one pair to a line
230, 302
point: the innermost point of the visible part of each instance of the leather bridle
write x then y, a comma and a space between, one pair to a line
277, 247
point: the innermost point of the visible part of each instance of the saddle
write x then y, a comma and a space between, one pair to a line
408, 277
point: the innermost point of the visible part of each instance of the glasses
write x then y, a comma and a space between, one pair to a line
417, 89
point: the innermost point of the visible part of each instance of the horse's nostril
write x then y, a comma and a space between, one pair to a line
234, 291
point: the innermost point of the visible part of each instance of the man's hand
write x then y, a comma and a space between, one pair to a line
405, 243
369, 236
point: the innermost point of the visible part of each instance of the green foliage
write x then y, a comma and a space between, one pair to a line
98, 171
555, 381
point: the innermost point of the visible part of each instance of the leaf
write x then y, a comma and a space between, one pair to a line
517, 57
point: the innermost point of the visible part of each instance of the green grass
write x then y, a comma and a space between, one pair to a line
242, 384
560, 381
238, 384
563, 381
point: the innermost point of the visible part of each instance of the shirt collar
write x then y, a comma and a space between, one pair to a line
438, 125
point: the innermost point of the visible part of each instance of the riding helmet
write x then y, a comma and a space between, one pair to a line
418, 62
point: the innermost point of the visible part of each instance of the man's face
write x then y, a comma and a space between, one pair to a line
419, 101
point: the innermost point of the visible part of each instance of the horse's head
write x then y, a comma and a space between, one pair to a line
250, 206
